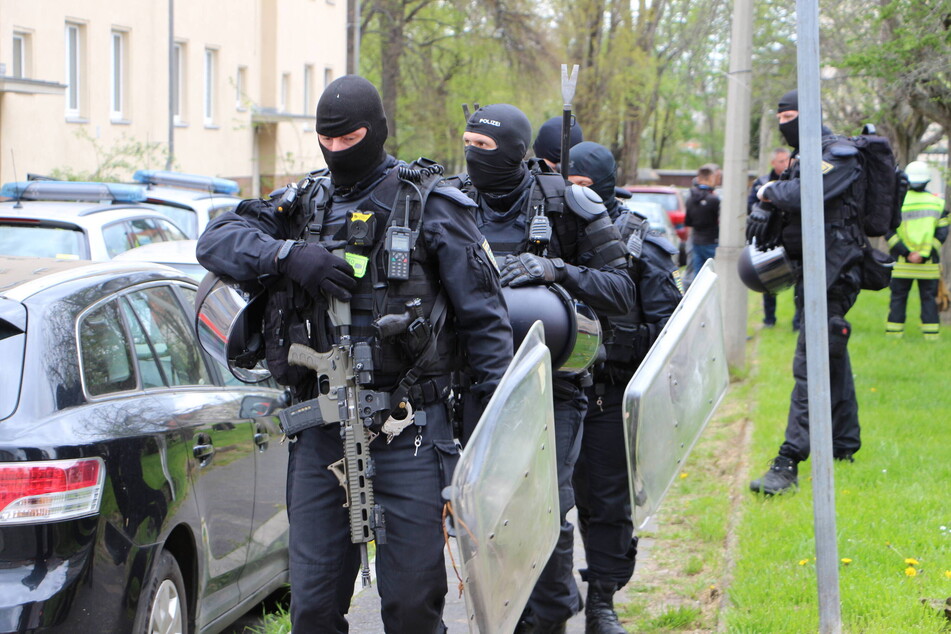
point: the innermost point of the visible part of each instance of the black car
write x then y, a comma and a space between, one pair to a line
141, 485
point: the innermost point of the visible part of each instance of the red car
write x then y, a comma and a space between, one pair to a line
669, 198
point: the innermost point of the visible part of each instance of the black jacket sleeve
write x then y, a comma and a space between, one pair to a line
752, 199
657, 288
471, 282
608, 291
243, 243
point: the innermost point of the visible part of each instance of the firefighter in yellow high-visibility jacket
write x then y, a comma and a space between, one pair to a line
917, 246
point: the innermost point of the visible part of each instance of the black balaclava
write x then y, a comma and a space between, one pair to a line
597, 163
348, 103
790, 129
547, 144
501, 170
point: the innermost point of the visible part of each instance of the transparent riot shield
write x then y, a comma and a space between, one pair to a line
673, 394
505, 492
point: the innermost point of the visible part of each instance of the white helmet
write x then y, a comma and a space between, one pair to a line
918, 173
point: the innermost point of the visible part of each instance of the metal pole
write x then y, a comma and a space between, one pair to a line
735, 182
816, 317
171, 85
357, 32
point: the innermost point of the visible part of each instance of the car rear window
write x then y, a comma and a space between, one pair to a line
42, 241
667, 201
186, 219
107, 364
171, 349
12, 342
128, 234
214, 212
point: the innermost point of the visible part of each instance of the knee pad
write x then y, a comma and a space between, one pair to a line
839, 331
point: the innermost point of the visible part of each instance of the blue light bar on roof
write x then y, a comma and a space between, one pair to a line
74, 191
191, 181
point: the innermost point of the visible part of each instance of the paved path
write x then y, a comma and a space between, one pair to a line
364, 614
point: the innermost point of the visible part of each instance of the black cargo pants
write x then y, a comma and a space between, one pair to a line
411, 572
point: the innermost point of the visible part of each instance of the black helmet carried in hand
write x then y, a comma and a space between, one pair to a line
572, 331
766, 271
229, 326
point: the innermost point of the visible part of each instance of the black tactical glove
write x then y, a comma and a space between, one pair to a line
763, 226
316, 269
526, 269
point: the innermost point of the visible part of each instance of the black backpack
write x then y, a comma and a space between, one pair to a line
885, 184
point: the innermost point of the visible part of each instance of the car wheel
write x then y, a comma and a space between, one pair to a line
163, 605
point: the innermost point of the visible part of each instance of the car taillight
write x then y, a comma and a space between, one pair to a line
50, 491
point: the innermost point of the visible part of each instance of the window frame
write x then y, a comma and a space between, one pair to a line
81, 357
74, 60
179, 69
210, 78
284, 92
240, 80
20, 55
212, 371
308, 88
117, 72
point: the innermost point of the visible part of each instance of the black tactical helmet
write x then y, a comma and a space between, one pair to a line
766, 271
229, 327
572, 331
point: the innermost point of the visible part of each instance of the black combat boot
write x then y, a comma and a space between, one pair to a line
534, 626
531, 624
781, 477
599, 614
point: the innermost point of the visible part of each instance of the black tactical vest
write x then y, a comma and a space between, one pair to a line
293, 316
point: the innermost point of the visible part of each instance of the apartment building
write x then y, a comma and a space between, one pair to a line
228, 87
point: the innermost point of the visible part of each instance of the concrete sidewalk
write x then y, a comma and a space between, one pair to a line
364, 614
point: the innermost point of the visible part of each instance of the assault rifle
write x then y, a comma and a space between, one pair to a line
342, 372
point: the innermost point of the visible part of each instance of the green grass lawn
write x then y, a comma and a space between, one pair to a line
893, 519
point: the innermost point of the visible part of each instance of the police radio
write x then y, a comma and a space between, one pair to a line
398, 245
539, 230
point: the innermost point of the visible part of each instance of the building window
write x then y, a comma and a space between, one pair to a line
178, 83
211, 61
328, 76
117, 75
240, 81
74, 69
21, 52
285, 91
308, 88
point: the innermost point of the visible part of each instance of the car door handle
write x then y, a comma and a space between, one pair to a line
204, 452
261, 437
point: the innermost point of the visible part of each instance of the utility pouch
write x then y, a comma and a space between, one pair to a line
282, 327
876, 269
839, 331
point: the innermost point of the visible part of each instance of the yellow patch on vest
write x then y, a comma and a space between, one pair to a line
678, 280
826, 167
358, 262
488, 252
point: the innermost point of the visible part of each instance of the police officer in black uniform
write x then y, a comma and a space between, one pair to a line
777, 219
259, 242
547, 143
601, 475
585, 256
